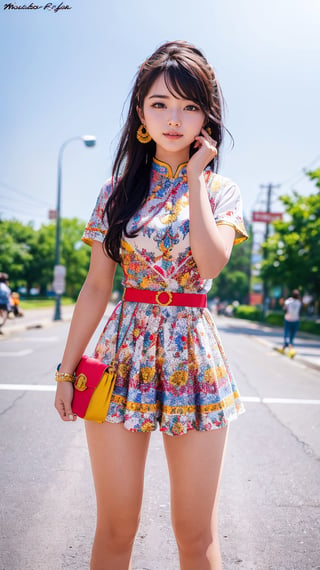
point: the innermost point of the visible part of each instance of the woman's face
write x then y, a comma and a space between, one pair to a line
172, 122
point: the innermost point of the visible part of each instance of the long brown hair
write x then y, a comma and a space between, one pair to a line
187, 74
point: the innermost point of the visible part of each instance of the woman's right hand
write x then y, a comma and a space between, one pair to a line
63, 400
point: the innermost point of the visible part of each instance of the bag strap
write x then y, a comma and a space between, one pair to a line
118, 344
119, 327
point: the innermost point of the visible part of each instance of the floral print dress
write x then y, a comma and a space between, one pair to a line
172, 367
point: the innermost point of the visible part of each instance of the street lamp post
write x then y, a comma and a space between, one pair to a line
88, 140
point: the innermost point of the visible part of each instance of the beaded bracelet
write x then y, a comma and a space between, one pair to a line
64, 377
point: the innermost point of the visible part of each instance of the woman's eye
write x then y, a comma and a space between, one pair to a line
192, 108
158, 105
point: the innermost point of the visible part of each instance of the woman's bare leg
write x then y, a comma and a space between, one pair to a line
118, 461
195, 464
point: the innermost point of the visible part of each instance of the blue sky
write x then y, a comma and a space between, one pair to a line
69, 73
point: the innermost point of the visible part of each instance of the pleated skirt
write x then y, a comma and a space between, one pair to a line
172, 370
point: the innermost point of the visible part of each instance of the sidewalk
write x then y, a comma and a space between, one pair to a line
35, 319
307, 345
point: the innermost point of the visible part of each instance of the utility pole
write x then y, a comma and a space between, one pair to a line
270, 187
59, 270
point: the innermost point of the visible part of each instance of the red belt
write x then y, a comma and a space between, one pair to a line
165, 298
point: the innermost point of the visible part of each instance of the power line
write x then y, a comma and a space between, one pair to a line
258, 199
38, 200
301, 174
294, 179
18, 211
6, 201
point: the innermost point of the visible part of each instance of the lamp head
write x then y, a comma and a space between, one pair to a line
89, 140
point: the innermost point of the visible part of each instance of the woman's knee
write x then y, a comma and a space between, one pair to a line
120, 532
193, 538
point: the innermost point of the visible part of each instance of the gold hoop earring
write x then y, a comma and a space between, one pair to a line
209, 131
143, 135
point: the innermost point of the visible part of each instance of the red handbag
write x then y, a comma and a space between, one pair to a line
93, 389
94, 382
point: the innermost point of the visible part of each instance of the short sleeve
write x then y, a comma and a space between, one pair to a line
226, 203
97, 226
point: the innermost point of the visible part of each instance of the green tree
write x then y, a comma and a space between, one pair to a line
16, 244
40, 270
75, 255
315, 175
293, 251
27, 255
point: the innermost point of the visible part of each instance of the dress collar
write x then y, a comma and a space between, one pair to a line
166, 170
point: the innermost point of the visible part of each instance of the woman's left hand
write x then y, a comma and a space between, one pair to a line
205, 151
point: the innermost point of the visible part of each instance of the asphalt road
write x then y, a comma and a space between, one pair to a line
270, 497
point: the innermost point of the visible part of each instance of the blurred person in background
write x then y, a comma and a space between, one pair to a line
5, 302
15, 304
292, 307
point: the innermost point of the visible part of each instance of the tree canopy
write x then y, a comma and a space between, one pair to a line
292, 253
234, 280
27, 254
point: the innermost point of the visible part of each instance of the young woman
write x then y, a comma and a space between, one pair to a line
171, 222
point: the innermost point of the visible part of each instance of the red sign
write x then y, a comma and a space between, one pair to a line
52, 214
256, 298
266, 217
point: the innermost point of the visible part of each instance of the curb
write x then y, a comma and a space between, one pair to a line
297, 358
306, 336
37, 324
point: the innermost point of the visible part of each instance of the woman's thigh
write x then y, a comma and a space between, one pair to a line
118, 461
195, 464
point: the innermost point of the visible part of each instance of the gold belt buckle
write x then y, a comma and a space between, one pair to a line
168, 302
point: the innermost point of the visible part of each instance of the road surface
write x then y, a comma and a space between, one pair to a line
270, 496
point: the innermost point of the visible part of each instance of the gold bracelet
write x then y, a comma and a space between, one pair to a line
64, 377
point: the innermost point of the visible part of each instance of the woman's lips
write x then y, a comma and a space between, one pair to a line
173, 135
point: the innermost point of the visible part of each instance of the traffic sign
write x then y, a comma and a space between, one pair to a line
59, 271
266, 217
52, 214
59, 284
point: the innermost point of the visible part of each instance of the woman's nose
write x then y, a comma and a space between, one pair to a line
174, 122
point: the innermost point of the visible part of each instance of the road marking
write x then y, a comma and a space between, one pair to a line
28, 387
250, 399
258, 400
37, 339
17, 352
